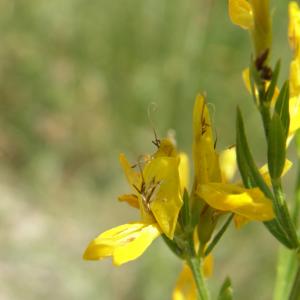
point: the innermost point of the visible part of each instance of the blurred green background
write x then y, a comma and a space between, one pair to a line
76, 81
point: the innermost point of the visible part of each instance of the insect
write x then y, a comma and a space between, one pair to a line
148, 192
156, 141
204, 125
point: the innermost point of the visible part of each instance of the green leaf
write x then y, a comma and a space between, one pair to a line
273, 83
282, 107
173, 247
226, 290
276, 147
185, 215
252, 178
248, 169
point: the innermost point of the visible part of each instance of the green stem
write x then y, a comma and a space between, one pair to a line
286, 271
295, 292
195, 266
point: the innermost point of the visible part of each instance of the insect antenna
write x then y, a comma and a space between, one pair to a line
152, 108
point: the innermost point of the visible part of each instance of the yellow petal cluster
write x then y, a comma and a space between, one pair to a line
249, 203
157, 182
206, 161
294, 38
124, 243
213, 174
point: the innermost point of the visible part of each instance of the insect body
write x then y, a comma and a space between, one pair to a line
204, 125
148, 193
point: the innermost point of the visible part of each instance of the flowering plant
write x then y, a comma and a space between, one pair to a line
193, 221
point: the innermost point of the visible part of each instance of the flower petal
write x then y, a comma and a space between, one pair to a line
208, 265
228, 164
131, 199
124, 243
294, 114
133, 177
294, 25
206, 163
250, 203
264, 171
241, 14
240, 221
295, 78
184, 170
185, 288
166, 199
166, 148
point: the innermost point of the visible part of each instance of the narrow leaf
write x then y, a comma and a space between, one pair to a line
252, 178
276, 147
185, 216
282, 107
286, 270
273, 83
173, 246
226, 290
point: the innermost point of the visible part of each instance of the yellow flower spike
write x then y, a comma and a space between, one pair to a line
184, 171
241, 14
249, 203
167, 200
206, 163
294, 26
185, 288
228, 164
124, 243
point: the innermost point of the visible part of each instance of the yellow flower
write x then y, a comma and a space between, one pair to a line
185, 288
241, 13
157, 189
294, 26
206, 164
124, 243
253, 15
294, 38
214, 188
